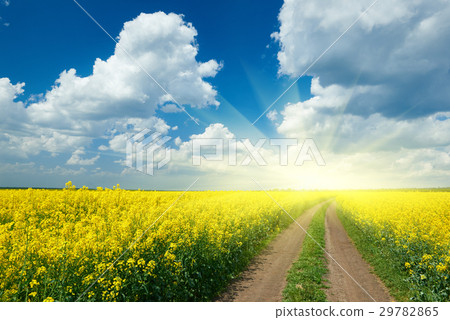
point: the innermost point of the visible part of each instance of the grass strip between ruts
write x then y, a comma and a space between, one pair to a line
305, 279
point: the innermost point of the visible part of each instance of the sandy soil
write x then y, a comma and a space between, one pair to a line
265, 278
341, 248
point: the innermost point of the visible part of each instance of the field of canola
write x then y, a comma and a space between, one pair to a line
411, 226
55, 243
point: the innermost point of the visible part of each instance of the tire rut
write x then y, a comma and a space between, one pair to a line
341, 248
265, 277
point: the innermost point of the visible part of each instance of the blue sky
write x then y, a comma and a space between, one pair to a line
58, 35
376, 104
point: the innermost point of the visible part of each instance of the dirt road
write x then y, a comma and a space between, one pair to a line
265, 278
341, 248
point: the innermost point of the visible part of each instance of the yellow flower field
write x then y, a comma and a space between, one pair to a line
415, 226
55, 243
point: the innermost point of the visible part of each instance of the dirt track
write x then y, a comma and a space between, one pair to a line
340, 247
265, 278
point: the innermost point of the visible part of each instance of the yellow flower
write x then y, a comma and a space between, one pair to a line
33, 283
49, 299
141, 262
87, 230
41, 270
441, 268
427, 257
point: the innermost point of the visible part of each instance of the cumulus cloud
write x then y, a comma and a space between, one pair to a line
170, 108
119, 96
272, 115
217, 149
423, 167
182, 156
125, 129
398, 51
380, 109
160, 44
323, 118
399, 167
370, 151
12, 113
77, 158
50, 141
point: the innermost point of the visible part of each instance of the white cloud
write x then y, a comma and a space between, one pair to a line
77, 158
118, 96
12, 114
323, 118
422, 167
210, 68
182, 157
232, 162
171, 108
372, 151
52, 141
215, 130
163, 45
272, 115
380, 112
399, 167
118, 143
18, 168
124, 129
398, 51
